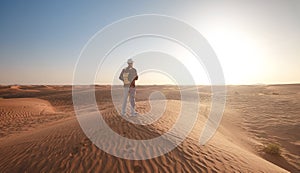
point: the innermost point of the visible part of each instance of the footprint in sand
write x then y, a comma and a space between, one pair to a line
137, 169
129, 149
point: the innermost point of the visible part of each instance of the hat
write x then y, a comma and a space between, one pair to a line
129, 61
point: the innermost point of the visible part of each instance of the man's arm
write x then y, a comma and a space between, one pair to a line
136, 76
121, 75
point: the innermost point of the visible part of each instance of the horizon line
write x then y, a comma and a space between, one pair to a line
150, 84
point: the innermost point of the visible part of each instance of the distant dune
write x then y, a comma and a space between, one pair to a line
40, 132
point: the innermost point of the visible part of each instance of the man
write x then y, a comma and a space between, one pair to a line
128, 76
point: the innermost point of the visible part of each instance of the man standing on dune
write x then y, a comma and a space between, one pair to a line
128, 76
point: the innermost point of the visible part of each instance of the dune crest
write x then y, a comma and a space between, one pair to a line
20, 114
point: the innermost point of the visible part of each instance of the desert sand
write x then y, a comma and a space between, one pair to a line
39, 131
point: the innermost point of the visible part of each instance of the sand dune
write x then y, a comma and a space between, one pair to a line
59, 145
20, 114
63, 147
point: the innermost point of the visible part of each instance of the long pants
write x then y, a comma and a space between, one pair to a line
131, 92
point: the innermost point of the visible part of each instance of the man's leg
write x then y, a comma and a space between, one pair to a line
132, 100
125, 97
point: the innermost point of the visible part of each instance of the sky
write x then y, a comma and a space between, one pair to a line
256, 41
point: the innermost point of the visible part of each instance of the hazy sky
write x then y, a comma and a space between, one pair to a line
256, 41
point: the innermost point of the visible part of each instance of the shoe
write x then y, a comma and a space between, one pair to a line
134, 114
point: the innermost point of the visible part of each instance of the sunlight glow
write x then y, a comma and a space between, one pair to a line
238, 53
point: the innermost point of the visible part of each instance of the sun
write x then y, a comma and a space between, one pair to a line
239, 54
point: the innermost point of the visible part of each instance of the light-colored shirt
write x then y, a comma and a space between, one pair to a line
128, 76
